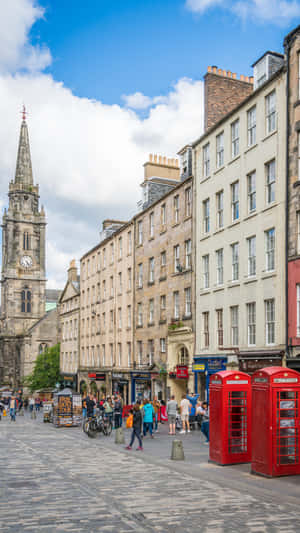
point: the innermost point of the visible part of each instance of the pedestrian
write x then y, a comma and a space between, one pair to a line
205, 422
109, 409
118, 411
12, 409
185, 409
31, 404
2, 407
172, 410
90, 405
199, 413
136, 428
156, 407
84, 411
148, 418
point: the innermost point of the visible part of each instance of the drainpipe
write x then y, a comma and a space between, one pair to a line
287, 201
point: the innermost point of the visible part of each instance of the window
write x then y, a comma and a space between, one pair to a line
270, 321
151, 270
98, 261
120, 282
129, 354
251, 256
251, 320
163, 345
177, 265
206, 161
111, 286
129, 316
26, 241
235, 148
151, 225
129, 242
188, 254
270, 112
220, 209
112, 252
220, 149
205, 317
140, 314
129, 278
140, 232
220, 331
103, 320
26, 300
220, 276
163, 214
251, 186
234, 319
176, 304
119, 354
298, 310
111, 349
206, 222
120, 247
104, 257
298, 166
235, 205
151, 311
188, 201
270, 249
205, 263
150, 352
162, 307
270, 181
235, 261
140, 275
176, 209
298, 231
111, 314
251, 124
120, 317
187, 302
163, 259
140, 353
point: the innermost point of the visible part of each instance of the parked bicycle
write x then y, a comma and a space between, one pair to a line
97, 424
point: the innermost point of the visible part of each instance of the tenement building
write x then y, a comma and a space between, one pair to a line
240, 184
26, 328
136, 333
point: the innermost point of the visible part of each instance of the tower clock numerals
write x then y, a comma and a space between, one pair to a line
26, 261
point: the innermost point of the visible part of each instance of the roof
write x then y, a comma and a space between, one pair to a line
223, 374
288, 38
272, 370
52, 295
265, 54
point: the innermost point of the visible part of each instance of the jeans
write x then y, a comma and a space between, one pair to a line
84, 412
12, 413
118, 420
156, 421
148, 425
205, 429
136, 433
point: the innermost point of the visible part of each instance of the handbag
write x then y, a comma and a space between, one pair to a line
129, 421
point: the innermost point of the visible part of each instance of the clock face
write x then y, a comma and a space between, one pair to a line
26, 261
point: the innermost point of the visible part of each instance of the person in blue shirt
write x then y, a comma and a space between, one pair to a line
193, 400
148, 418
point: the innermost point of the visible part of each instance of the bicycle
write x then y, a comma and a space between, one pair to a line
97, 424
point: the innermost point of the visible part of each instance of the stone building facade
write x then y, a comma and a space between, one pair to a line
25, 327
239, 169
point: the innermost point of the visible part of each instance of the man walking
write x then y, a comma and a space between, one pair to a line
13, 408
148, 418
156, 406
171, 411
185, 409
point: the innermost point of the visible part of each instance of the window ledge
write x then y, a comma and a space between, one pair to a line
219, 169
139, 288
266, 137
271, 274
175, 224
270, 206
139, 245
187, 217
120, 259
162, 278
163, 321
232, 284
139, 326
151, 239
220, 288
187, 317
250, 280
178, 273
251, 215
150, 324
205, 237
150, 283
250, 148
235, 158
218, 231
205, 291
235, 223
163, 230
205, 179
297, 103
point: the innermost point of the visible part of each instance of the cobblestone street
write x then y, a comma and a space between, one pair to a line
60, 480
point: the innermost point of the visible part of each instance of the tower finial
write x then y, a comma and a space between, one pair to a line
24, 112
23, 169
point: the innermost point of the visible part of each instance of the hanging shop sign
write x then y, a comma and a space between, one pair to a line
182, 372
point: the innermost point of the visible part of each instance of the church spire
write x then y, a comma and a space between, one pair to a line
24, 169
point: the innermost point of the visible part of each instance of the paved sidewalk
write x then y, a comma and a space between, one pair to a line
59, 480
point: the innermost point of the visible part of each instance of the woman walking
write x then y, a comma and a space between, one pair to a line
136, 428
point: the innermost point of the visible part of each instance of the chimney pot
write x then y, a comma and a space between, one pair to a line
150, 158
214, 68
164, 160
251, 79
242, 77
208, 69
220, 72
228, 74
160, 159
247, 79
224, 73
234, 75
155, 158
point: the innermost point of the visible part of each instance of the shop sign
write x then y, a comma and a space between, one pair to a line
261, 380
117, 376
251, 365
182, 372
198, 367
285, 380
240, 382
215, 364
92, 375
68, 378
141, 376
100, 377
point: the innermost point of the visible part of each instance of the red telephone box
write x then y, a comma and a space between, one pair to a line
230, 417
275, 422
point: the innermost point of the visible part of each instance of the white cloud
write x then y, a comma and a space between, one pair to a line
17, 18
137, 100
87, 156
280, 12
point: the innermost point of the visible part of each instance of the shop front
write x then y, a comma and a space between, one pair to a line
203, 368
120, 385
97, 383
179, 381
250, 362
70, 381
158, 386
140, 386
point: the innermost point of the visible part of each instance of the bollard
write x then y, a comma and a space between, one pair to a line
21, 412
119, 436
33, 415
177, 450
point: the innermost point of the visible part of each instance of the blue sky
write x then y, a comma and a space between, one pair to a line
106, 82
103, 49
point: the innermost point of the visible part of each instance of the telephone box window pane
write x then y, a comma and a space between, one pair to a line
237, 422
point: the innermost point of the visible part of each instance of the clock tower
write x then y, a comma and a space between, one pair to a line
23, 281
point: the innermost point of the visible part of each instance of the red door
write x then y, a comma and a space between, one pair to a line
286, 422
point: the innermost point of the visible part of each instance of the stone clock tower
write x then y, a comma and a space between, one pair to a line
23, 249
